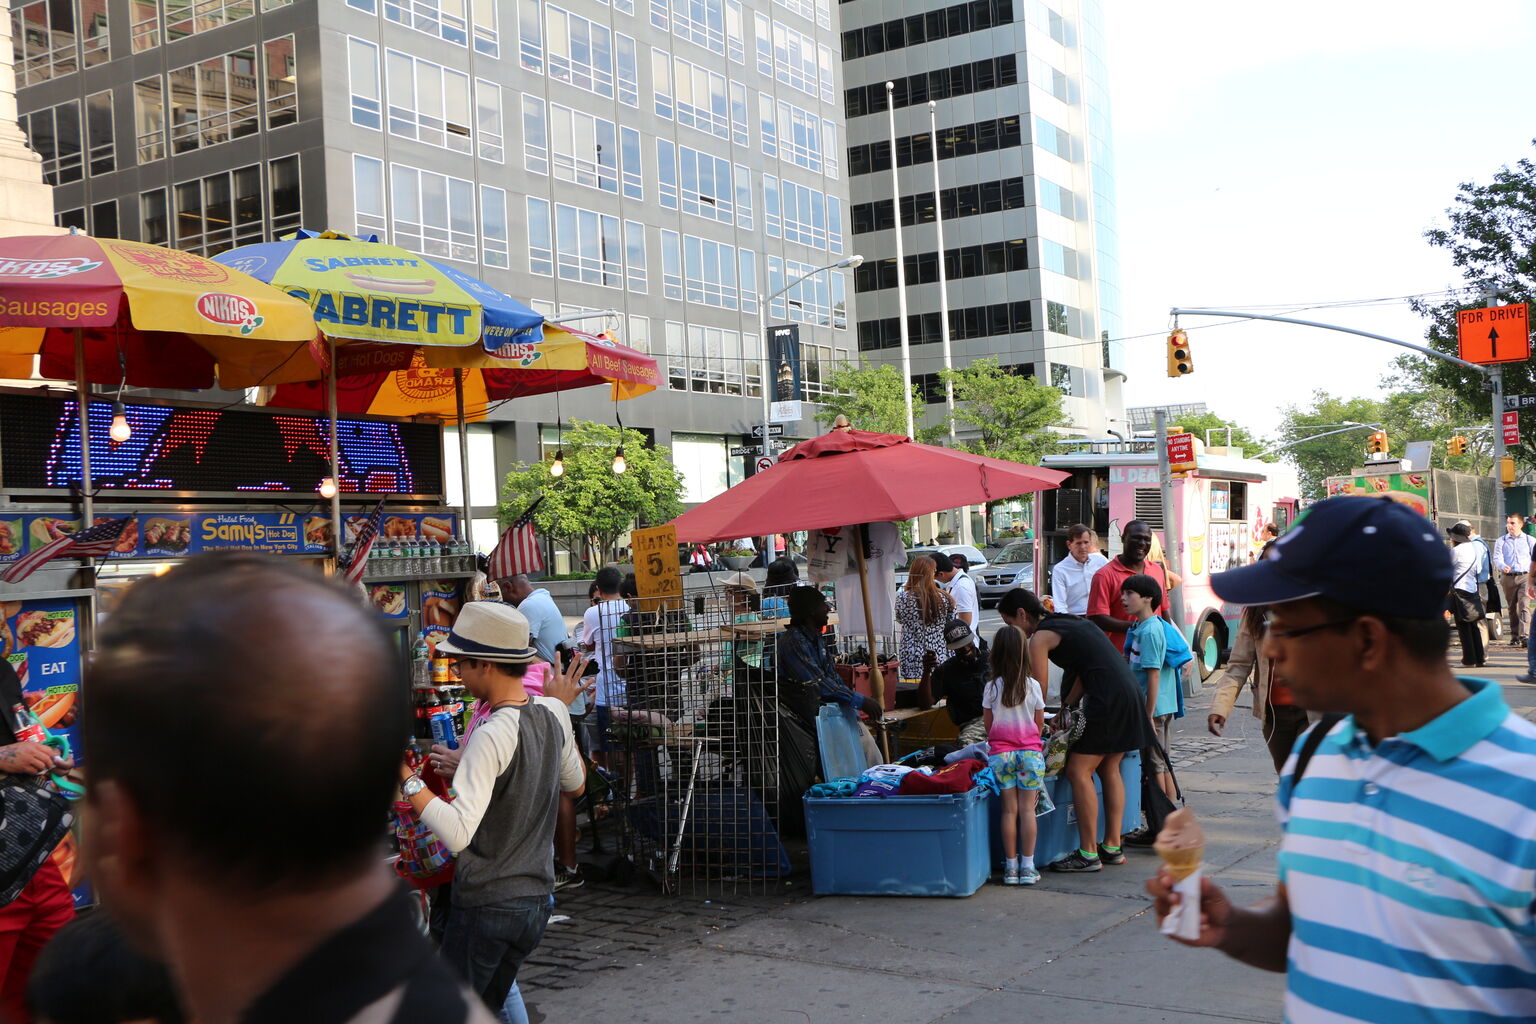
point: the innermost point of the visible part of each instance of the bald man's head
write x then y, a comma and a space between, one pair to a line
237, 691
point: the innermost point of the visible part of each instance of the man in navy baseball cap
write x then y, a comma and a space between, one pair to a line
1417, 793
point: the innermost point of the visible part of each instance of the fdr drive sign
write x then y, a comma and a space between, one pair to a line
1494, 334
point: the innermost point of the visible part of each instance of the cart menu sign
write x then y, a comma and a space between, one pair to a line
176, 535
41, 643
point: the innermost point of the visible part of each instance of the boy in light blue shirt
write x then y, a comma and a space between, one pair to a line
1157, 651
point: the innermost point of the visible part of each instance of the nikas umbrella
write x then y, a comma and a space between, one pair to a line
848, 477
109, 311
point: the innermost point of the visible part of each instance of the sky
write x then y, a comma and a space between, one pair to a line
1290, 156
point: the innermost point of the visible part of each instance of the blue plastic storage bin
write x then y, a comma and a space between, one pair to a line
900, 845
1057, 835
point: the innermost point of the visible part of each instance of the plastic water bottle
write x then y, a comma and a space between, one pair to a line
421, 663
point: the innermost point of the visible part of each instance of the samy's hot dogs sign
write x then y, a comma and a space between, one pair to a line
385, 299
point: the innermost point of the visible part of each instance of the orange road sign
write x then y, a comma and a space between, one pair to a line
1494, 334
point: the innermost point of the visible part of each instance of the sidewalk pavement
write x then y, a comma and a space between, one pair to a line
1075, 949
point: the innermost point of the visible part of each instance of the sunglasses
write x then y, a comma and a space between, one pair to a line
1292, 634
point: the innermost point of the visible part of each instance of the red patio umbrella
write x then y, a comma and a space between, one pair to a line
846, 477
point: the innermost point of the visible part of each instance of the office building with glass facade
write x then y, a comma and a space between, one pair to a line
674, 160
1026, 190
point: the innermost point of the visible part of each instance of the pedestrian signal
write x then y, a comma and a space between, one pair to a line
1456, 445
1179, 360
1376, 444
1506, 471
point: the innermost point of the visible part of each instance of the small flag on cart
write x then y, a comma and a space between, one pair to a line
96, 542
362, 547
518, 550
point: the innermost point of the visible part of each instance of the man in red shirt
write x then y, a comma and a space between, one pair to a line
1104, 607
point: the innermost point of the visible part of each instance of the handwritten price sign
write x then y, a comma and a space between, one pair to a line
658, 572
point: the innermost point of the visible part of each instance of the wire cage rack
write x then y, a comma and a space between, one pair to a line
707, 755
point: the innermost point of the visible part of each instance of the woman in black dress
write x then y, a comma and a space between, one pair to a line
1099, 675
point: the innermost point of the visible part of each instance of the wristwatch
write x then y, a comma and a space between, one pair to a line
411, 786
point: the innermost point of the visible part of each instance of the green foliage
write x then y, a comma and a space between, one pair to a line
1491, 237
1217, 426
591, 506
1004, 415
1434, 414
870, 396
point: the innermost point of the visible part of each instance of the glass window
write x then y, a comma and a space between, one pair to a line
661, 82
698, 21
1057, 199
153, 225
368, 196
541, 255
629, 70
487, 40
700, 99
530, 36
535, 136
95, 41
1058, 258
493, 226
143, 24
283, 188
666, 173
794, 59
740, 131
579, 51
735, 21
488, 128
773, 221
587, 246
637, 333
281, 82
54, 133
677, 356
835, 225
744, 197
709, 272
763, 35
433, 214
828, 83
585, 148
1052, 139
671, 265
441, 18
634, 256
43, 37
101, 139
104, 220
363, 74
747, 262
428, 102
633, 172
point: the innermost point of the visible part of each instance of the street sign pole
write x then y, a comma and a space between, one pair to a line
1173, 537
1496, 380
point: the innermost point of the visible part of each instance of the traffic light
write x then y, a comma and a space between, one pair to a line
1376, 444
1179, 360
1507, 471
1456, 445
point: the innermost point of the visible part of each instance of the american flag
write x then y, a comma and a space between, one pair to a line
99, 540
518, 550
362, 547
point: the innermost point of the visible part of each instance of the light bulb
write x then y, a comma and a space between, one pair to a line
328, 488
557, 468
120, 430
619, 465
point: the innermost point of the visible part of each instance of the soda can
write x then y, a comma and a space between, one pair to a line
442, 730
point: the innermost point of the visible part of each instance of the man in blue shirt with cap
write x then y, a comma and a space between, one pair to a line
1407, 889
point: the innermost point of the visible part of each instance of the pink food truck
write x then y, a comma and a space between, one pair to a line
1223, 507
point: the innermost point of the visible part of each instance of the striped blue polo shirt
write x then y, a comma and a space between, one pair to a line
1410, 867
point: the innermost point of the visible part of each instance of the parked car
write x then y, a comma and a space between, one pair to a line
975, 561
1014, 566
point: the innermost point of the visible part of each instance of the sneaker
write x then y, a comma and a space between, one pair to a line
1140, 838
1525, 679
1075, 861
1010, 876
568, 878
1111, 854
1028, 876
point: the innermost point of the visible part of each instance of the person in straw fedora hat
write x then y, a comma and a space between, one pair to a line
514, 767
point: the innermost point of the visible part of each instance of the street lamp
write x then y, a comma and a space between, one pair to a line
847, 263
1344, 428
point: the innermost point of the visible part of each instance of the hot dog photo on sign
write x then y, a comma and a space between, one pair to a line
43, 646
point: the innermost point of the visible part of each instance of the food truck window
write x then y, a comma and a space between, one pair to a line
1238, 510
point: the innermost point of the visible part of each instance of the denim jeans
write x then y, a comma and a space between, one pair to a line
488, 944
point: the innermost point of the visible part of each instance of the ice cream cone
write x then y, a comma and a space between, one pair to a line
1181, 843
1182, 863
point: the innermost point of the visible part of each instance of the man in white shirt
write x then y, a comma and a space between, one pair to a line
951, 571
1072, 577
1466, 605
598, 625
1512, 560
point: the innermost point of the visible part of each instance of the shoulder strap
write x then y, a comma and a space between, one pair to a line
1309, 745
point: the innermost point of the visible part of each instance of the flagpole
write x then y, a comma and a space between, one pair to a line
964, 533
330, 398
901, 265
458, 398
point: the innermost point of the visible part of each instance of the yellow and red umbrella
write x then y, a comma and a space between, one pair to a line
417, 381
145, 315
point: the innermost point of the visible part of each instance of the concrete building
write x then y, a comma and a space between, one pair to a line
675, 160
26, 201
1026, 188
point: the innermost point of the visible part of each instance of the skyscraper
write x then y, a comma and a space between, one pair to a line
674, 160
1026, 189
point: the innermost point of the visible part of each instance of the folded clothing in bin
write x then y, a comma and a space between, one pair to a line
956, 778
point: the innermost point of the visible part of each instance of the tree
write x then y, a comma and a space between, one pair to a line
1491, 237
591, 506
870, 396
1433, 415
1216, 427
1002, 414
